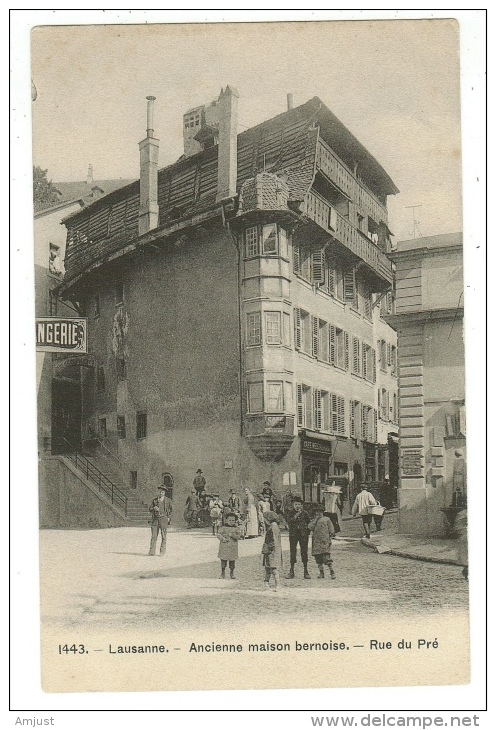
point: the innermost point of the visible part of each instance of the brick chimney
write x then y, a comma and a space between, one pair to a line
228, 143
89, 176
148, 208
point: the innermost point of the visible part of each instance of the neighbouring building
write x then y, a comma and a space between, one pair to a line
236, 305
429, 321
57, 377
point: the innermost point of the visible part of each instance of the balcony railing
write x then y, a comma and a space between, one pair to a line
335, 170
316, 208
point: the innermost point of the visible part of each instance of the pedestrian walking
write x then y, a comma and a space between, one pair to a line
161, 510
298, 521
263, 508
192, 508
251, 514
460, 528
363, 500
333, 503
228, 535
322, 530
272, 550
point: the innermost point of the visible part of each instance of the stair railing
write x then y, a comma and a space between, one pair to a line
92, 473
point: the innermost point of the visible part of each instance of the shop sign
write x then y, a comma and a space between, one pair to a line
317, 447
54, 334
411, 462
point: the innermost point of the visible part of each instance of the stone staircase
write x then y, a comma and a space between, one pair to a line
137, 511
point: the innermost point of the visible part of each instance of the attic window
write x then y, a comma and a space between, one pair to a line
193, 121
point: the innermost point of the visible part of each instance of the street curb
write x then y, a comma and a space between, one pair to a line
409, 556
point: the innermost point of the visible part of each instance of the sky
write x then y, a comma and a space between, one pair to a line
394, 84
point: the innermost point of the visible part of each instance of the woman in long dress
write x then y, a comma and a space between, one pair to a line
251, 514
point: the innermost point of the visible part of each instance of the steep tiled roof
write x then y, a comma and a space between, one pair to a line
84, 191
284, 144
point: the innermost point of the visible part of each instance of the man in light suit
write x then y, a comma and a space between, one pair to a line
161, 510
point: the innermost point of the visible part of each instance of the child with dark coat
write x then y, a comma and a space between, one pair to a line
322, 534
228, 536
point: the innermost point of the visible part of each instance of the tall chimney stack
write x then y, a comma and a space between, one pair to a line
290, 101
148, 208
227, 169
89, 176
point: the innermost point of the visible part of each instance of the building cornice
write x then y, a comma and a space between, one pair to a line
423, 315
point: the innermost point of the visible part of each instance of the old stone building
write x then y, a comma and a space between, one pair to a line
429, 320
236, 303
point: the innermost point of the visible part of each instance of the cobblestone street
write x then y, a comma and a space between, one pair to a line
104, 579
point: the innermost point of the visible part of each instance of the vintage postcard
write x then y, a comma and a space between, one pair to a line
250, 356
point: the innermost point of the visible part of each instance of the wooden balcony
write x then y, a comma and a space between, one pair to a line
337, 172
318, 210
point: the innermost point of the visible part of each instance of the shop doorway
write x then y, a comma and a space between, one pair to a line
315, 474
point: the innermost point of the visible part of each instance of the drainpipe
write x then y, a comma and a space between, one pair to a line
240, 334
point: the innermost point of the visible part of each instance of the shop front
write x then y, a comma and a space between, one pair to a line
316, 455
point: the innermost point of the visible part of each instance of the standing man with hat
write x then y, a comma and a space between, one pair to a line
160, 509
199, 482
298, 522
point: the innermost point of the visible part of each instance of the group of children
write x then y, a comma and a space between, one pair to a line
300, 526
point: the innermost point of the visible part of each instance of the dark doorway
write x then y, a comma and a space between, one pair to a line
66, 415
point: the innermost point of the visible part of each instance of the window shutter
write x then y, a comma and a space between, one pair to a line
358, 420
374, 367
365, 423
379, 350
331, 279
352, 419
315, 336
299, 399
318, 267
346, 351
317, 394
332, 344
364, 361
379, 399
375, 426
297, 327
388, 354
296, 260
387, 406
349, 287
334, 412
340, 405
356, 356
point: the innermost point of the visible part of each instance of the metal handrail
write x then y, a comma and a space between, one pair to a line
92, 473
